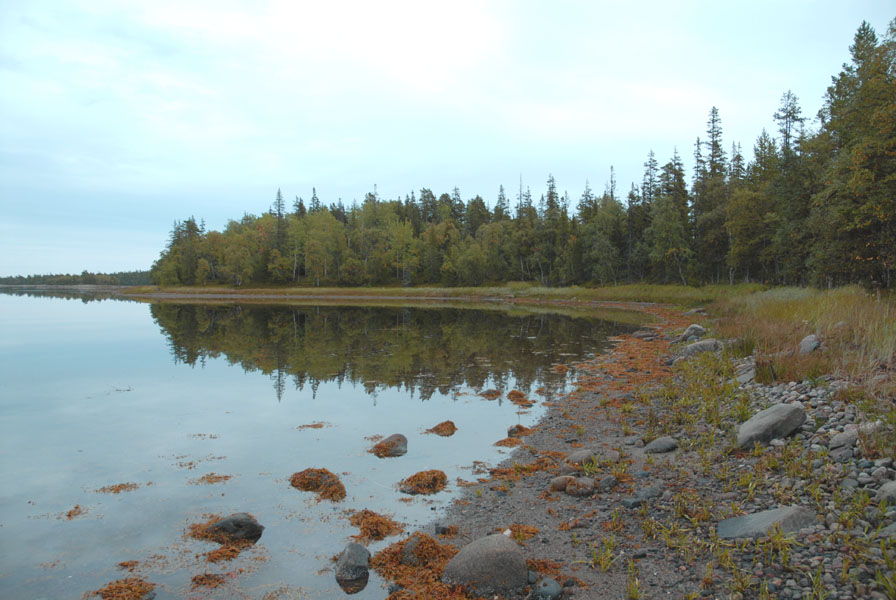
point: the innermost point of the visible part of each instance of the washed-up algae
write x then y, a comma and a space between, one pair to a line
229, 548
444, 429
373, 526
424, 482
419, 572
129, 588
320, 481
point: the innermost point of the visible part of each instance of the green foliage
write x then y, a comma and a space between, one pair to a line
807, 208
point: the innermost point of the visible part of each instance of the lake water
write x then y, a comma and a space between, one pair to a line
100, 393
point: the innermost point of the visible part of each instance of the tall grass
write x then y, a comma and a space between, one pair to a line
858, 328
665, 294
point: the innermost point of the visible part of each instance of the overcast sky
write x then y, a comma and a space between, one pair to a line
117, 118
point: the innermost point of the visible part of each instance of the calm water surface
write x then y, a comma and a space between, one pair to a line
101, 393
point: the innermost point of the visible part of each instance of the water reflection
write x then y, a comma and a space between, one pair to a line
420, 350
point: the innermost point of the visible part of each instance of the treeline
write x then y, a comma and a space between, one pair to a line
806, 207
85, 278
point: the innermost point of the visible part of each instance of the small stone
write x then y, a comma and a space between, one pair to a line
606, 484
789, 518
648, 493
580, 487
631, 502
661, 445
548, 589
558, 484
809, 344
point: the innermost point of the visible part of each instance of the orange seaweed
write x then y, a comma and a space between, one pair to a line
130, 588
424, 482
321, 481
117, 488
374, 526
444, 429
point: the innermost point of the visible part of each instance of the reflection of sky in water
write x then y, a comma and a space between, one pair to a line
91, 398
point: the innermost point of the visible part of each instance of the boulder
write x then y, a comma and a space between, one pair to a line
848, 438
693, 330
777, 421
489, 565
661, 445
788, 518
809, 344
394, 445
580, 487
235, 528
352, 568
887, 492
695, 348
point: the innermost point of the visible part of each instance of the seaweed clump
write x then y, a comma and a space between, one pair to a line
230, 548
320, 481
129, 588
444, 429
416, 565
424, 482
374, 526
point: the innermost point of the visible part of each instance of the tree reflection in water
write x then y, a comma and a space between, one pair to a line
418, 349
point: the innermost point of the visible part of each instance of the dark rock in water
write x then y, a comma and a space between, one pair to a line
236, 527
547, 589
489, 565
778, 421
788, 518
394, 445
352, 568
809, 344
661, 445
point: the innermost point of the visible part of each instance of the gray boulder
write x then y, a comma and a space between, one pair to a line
236, 527
847, 438
887, 492
708, 345
352, 568
489, 565
693, 330
661, 445
394, 445
809, 344
788, 518
777, 421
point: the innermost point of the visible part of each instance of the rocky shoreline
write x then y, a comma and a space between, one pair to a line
633, 485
